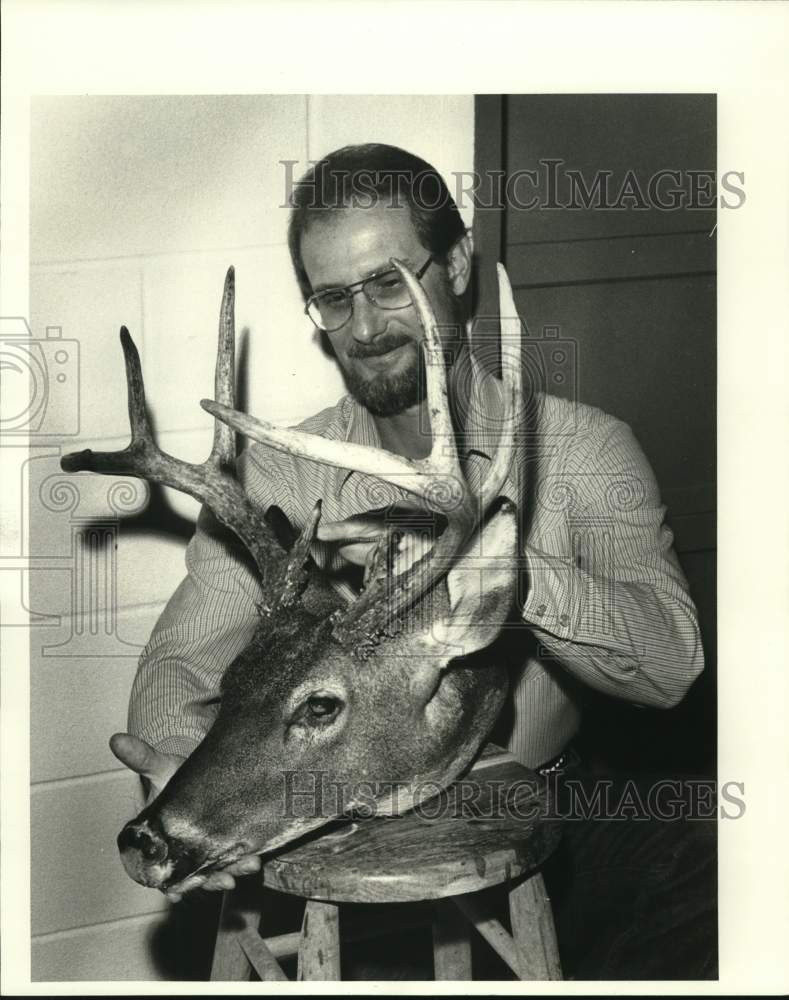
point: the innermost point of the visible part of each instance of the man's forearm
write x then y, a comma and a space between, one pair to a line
175, 695
167, 708
632, 639
208, 621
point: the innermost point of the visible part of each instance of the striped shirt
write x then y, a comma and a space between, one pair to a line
604, 602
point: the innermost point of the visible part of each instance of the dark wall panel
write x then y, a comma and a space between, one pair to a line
641, 353
619, 305
622, 134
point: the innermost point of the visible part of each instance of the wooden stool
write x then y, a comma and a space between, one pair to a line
489, 828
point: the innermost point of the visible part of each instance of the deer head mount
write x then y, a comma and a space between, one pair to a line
332, 703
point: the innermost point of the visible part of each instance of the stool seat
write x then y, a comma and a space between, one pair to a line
492, 827
487, 828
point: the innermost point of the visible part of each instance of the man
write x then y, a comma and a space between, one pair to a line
617, 620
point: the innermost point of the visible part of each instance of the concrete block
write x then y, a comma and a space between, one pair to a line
122, 176
75, 318
77, 877
78, 702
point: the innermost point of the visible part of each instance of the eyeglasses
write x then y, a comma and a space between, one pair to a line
333, 307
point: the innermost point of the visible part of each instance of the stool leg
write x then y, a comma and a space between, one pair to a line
319, 951
230, 964
451, 943
533, 930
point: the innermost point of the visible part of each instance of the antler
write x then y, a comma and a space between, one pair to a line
437, 479
211, 482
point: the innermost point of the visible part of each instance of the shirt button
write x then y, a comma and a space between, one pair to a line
541, 610
564, 620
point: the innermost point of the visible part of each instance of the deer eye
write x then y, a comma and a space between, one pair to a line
320, 709
322, 705
315, 708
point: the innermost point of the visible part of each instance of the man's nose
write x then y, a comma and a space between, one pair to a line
367, 320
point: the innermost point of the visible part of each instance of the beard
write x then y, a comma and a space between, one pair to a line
387, 395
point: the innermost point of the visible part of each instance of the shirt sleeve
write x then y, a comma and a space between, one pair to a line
207, 622
606, 595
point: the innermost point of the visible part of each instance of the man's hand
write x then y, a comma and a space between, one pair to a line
357, 537
157, 769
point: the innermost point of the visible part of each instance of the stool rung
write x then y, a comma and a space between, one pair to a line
491, 929
259, 955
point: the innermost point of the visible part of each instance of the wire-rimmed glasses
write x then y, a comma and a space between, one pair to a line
333, 307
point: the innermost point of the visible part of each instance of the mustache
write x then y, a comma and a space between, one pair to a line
383, 344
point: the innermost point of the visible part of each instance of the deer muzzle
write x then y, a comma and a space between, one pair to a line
149, 857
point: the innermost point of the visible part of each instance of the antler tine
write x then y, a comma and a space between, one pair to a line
437, 479
223, 452
130, 460
443, 459
138, 414
211, 482
295, 575
342, 454
512, 379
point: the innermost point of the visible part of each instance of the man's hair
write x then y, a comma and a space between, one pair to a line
361, 176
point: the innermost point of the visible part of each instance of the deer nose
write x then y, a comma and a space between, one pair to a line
142, 838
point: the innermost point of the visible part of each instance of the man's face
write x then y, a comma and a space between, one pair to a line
377, 349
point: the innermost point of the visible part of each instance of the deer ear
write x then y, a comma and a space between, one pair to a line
472, 604
479, 590
481, 585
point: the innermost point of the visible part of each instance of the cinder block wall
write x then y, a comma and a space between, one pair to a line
138, 205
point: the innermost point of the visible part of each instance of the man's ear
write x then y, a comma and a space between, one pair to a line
459, 264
